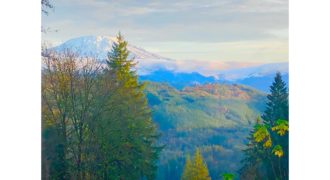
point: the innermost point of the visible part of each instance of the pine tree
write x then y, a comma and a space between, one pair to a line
127, 128
278, 109
254, 154
187, 171
277, 105
269, 142
120, 66
195, 169
199, 171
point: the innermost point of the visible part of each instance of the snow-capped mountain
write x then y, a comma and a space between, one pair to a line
99, 46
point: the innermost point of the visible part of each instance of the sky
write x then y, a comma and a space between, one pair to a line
242, 31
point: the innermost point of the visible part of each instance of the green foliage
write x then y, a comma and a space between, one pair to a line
227, 176
281, 127
202, 108
267, 152
254, 152
131, 136
221, 149
212, 117
188, 168
277, 105
261, 134
197, 169
278, 151
200, 171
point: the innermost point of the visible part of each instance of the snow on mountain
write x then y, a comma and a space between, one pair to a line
99, 46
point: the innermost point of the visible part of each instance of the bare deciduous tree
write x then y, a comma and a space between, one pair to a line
70, 92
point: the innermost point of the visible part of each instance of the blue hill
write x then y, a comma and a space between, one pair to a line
180, 80
177, 79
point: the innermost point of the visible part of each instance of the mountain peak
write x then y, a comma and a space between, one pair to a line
99, 46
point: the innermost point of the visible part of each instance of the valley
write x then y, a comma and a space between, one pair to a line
214, 117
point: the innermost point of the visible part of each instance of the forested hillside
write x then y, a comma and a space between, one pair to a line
214, 117
204, 106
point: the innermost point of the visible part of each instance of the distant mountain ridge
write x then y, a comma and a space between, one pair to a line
153, 67
179, 80
255, 71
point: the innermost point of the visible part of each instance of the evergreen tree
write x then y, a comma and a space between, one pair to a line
277, 109
277, 105
253, 166
127, 129
187, 171
267, 150
196, 169
199, 171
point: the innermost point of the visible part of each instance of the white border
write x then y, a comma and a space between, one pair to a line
309, 54
20, 125
20, 89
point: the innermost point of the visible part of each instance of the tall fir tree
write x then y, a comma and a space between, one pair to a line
277, 105
129, 130
260, 161
196, 169
253, 166
278, 109
187, 171
200, 171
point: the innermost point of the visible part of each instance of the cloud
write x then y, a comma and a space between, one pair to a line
200, 23
206, 68
191, 20
243, 51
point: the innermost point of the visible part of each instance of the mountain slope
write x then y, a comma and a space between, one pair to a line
214, 117
204, 106
99, 46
